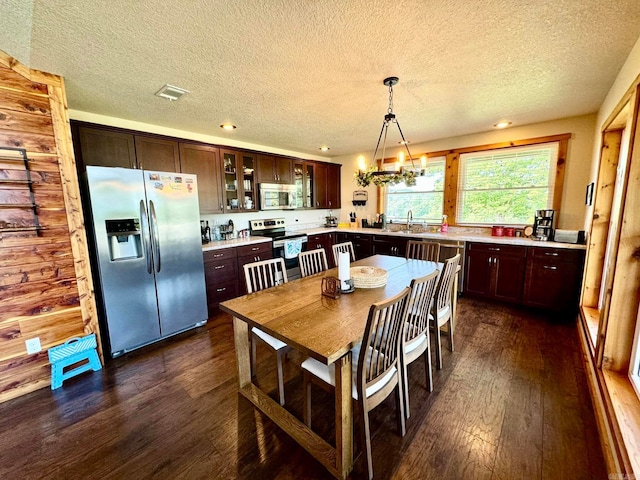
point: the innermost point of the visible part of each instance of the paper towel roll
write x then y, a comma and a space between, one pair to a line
344, 273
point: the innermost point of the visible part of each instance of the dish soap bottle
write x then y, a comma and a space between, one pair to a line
445, 224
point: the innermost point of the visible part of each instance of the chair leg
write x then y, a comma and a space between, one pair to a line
400, 409
427, 369
451, 334
438, 348
366, 441
279, 360
405, 386
306, 386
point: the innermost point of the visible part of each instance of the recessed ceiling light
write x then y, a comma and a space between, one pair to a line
228, 126
404, 142
324, 149
501, 124
171, 92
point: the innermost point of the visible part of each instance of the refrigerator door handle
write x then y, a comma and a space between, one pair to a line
145, 235
155, 237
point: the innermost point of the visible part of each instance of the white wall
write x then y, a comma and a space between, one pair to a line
577, 169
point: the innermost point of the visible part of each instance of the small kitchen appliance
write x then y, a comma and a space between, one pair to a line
543, 225
330, 220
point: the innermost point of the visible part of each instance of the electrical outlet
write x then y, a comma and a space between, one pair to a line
33, 345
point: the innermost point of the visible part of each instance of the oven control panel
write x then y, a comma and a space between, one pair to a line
267, 224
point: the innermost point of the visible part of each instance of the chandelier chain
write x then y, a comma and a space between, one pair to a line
390, 109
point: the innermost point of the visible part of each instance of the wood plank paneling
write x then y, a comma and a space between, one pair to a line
21, 102
25, 122
45, 282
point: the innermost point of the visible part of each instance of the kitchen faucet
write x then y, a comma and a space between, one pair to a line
409, 220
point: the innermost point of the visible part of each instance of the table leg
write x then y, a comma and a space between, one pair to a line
241, 338
344, 416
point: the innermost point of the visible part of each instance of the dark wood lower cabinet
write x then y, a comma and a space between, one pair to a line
362, 245
542, 277
221, 276
553, 278
322, 240
249, 254
223, 272
385, 245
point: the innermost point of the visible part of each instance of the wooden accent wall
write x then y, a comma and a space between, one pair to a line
46, 289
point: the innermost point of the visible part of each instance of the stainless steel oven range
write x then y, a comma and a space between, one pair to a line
286, 244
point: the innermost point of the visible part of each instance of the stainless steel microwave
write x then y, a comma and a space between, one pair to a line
274, 196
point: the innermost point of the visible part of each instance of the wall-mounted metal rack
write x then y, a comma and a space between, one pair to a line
13, 198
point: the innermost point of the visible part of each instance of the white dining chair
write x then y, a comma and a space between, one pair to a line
442, 307
343, 247
420, 250
416, 342
376, 367
312, 262
259, 276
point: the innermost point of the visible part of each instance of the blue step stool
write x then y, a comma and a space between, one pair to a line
72, 351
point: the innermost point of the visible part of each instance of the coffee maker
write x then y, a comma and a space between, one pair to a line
543, 225
330, 220
205, 231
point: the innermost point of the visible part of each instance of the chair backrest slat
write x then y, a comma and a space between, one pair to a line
381, 343
445, 285
420, 250
343, 247
264, 274
420, 301
312, 262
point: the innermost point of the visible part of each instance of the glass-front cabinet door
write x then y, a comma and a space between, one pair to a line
298, 180
239, 181
308, 181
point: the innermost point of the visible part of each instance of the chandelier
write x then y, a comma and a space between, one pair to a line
365, 176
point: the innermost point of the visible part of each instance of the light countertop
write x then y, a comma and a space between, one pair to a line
437, 236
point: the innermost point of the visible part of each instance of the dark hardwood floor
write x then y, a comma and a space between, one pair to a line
510, 403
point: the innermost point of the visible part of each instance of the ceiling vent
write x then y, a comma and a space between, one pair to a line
171, 93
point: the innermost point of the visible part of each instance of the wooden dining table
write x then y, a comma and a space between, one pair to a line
323, 328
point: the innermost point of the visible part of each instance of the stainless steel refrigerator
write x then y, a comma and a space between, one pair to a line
148, 254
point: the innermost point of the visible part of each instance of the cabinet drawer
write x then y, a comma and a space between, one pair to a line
255, 249
222, 291
321, 237
217, 255
498, 249
556, 254
215, 272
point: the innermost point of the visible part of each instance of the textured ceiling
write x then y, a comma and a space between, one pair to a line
296, 74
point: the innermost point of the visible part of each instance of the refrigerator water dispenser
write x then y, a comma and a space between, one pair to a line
124, 239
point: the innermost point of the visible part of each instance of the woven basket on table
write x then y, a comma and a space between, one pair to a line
368, 277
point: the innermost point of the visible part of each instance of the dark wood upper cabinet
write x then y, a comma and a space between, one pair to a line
204, 161
274, 169
333, 185
106, 148
326, 185
157, 154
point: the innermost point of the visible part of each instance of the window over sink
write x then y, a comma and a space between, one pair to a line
425, 199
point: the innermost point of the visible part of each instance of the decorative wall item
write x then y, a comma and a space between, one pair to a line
589, 195
360, 198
